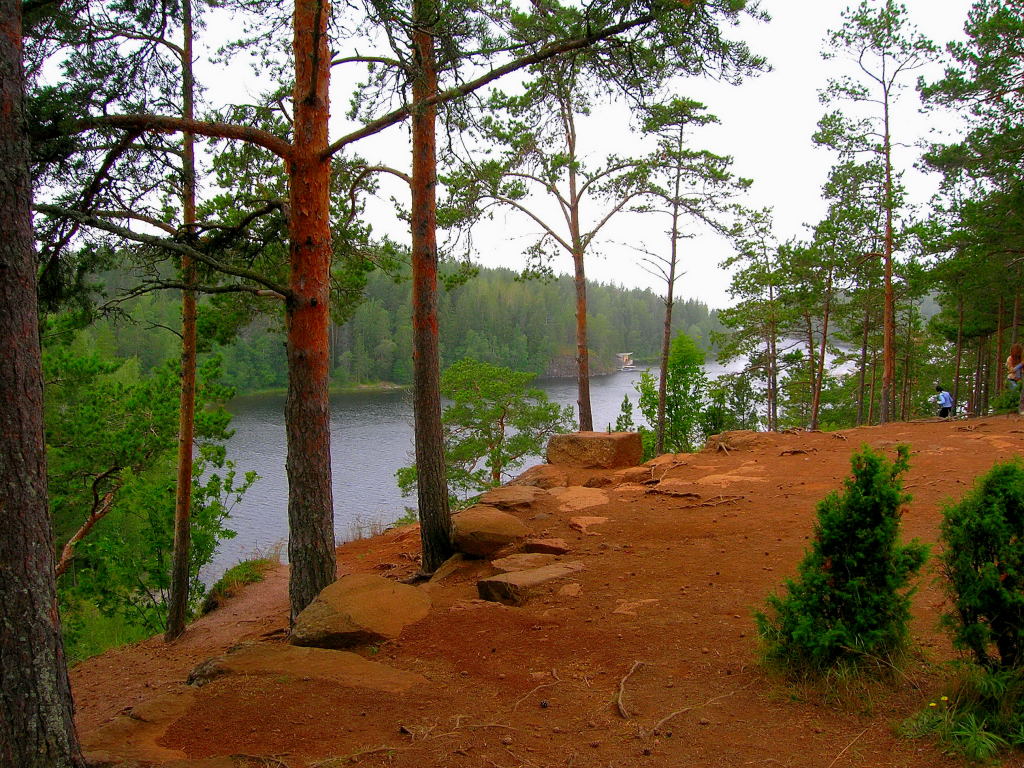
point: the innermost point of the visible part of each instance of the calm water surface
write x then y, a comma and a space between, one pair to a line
371, 437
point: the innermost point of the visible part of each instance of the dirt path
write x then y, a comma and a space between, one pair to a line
644, 658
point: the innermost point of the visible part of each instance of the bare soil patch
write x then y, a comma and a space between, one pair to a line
645, 657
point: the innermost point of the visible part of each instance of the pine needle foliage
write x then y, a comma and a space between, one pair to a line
983, 561
850, 603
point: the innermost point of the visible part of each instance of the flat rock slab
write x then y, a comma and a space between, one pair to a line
642, 474
482, 530
596, 450
546, 546
518, 497
517, 587
359, 609
576, 498
133, 735
300, 663
522, 561
582, 524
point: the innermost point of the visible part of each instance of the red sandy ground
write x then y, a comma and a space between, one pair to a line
660, 622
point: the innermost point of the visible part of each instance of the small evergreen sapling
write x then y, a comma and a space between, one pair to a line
850, 601
983, 561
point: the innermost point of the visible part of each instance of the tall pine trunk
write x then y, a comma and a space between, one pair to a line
819, 379
307, 409
579, 279
889, 310
865, 328
999, 344
177, 608
959, 353
36, 712
666, 334
431, 483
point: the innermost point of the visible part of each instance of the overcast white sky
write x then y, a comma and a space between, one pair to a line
766, 126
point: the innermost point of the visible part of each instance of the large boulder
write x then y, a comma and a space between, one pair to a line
359, 609
596, 450
482, 530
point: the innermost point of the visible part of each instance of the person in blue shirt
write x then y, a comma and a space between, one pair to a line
945, 402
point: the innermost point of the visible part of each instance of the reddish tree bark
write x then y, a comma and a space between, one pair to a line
177, 608
431, 483
307, 409
959, 353
889, 310
36, 711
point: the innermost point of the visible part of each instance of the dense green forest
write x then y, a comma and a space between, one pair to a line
493, 316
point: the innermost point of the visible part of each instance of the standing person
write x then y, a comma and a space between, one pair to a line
1014, 365
945, 401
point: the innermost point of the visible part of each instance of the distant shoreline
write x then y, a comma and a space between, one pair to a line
381, 386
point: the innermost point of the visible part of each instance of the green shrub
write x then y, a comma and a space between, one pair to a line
981, 713
850, 603
234, 578
983, 538
1007, 401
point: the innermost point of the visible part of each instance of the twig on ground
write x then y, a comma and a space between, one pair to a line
722, 499
657, 725
522, 760
622, 689
264, 761
530, 693
795, 451
333, 762
836, 758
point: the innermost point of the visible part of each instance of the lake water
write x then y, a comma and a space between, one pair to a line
371, 437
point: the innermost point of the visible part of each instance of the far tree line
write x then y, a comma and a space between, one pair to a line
494, 317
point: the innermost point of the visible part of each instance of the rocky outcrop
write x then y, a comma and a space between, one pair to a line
597, 450
134, 733
542, 476
522, 561
482, 530
289, 661
359, 609
516, 497
739, 440
546, 546
517, 587
577, 498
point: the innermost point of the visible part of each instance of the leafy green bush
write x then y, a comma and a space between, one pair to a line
850, 603
983, 561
